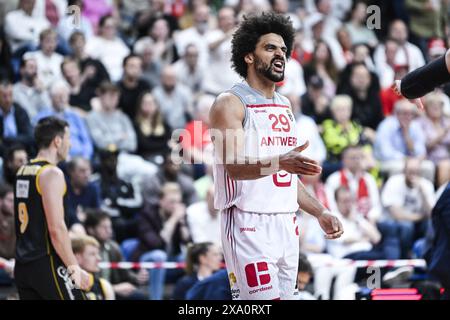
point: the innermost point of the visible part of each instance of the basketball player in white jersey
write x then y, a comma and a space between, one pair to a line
257, 160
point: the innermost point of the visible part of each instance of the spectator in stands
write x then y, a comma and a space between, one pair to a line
110, 126
408, 199
197, 34
15, 157
119, 198
82, 194
80, 140
363, 88
22, 28
92, 70
407, 53
95, 11
124, 282
30, 91
87, 253
82, 90
7, 234
66, 23
308, 130
163, 231
343, 37
427, 20
189, 72
108, 47
316, 25
400, 136
387, 95
15, 125
196, 140
152, 131
151, 67
359, 33
322, 65
202, 260
6, 63
204, 221
314, 102
361, 184
385, 68
331, 23
174, 99
164, 48
340, 132
154, 9
215, 287
362, 240
304, 276
47, 59
132, 85
436, 126
169, 172
220, 75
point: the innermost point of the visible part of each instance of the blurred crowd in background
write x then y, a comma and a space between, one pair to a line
128, 74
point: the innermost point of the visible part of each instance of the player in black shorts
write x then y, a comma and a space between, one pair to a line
46, 267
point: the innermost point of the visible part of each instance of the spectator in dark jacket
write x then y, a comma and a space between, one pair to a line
15, 125
216, 287
169, 172
363, 88
118, 196
15, 157
202, 260
82, 194
125, 282
162, 233
438, 257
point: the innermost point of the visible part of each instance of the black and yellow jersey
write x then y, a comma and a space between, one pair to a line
33, 239
96, 290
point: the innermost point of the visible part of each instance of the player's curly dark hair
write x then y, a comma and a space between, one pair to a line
251, 29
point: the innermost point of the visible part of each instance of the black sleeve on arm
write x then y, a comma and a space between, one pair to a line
425, 79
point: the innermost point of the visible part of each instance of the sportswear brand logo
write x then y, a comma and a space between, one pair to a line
253, 229
255, 274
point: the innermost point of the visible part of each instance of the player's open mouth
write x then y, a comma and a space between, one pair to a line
278, 66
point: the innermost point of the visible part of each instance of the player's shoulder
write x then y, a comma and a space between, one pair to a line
227, 103
51, 172
227, 99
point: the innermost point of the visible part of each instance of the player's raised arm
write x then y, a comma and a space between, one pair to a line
227, 116
425, 79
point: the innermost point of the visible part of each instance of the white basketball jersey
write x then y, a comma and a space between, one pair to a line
270, 130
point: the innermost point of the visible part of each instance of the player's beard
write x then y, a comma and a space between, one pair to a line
267, 70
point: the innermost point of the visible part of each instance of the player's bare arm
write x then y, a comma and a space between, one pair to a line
329, 223
52, 186
227, 115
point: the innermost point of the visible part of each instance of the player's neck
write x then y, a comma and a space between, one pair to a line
48, 155
263, 85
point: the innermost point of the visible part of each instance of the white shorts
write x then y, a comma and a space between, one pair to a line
261, 254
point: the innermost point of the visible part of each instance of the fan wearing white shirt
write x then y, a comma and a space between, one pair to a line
204, 221
48, 61
22, 28
108, 47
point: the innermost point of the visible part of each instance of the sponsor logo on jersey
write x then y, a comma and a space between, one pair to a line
257, 274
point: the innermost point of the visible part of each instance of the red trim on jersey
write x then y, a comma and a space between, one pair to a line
268, 105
